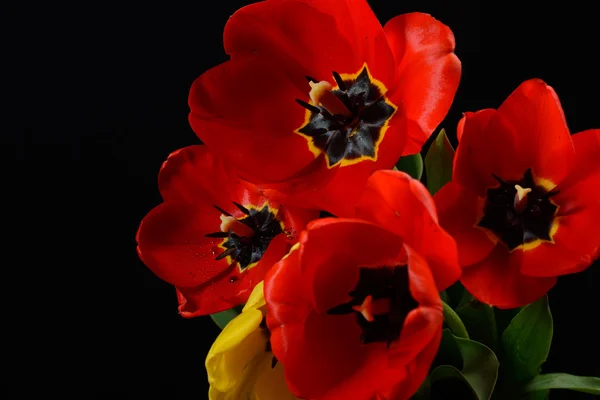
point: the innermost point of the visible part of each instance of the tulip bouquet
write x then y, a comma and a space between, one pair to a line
303, 225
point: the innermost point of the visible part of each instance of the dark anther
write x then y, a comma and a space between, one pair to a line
341, 309
309, 107
247, 250
339, 81
221, 210
273, 362
242, 208
225, 253
220, 235
311, 79
500, 180
551, 193
270, 218
354, 136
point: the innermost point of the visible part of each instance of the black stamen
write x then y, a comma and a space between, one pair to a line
242, 208
311, 79
346, 100
222, 211
339, 81
273, 362
339, 117
225, 253
500, 180
268, 220
309, 107
340, 309
220, 235
551, 193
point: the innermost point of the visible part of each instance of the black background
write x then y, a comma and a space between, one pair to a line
102, 100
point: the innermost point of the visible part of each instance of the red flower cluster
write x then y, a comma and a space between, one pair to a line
316, 104
523, 204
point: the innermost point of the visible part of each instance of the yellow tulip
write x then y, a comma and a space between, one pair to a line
240, 363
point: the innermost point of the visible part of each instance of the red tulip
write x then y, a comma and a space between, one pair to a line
523, 204
354, 310
317, 95
214, 236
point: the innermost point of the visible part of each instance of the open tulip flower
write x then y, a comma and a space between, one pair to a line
354, 310
214, 236
524, 203
317, 95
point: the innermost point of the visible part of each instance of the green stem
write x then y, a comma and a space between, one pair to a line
454, 322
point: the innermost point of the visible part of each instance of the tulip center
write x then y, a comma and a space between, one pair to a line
348, 122
519, 212
381, 300
245, 239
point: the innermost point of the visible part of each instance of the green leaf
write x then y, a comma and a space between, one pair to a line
479, 320
454, 322
585, 384
438, 162
541, 395
526, 341
449, 372
412, 165
222, 318
479, 366
456, 294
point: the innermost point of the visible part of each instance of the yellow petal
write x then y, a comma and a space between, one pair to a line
214, 394
271, 385
244, 388
237, 345
257, 298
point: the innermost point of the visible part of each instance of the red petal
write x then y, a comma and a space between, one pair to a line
470, 132
577, 240
418, 369
232, 289
585, 175
403, 205
283, 33
196, 302
497, 280
333, 249
427, 72
576, 245
527, 131
458, 210
421, 284
375, 377
419, 328
171, 243
329, 352
313, 357
295, 220
195, 176
245, 110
